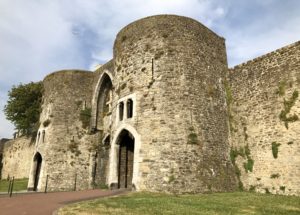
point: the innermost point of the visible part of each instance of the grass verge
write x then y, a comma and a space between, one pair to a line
217, 203
19, 184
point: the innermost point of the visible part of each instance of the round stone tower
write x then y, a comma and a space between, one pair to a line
62, 151
169, 118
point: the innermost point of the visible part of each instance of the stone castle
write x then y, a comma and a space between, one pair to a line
167, 114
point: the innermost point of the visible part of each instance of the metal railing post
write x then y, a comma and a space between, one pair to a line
12, 186
46, 183
75, 182
9, 184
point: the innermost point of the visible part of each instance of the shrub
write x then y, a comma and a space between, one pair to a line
24, 106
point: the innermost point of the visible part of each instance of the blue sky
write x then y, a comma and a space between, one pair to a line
38, 37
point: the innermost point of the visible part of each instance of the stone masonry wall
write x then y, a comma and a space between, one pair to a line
2, 142
265, 112
64, 142
174, 66
17, 157
99, 131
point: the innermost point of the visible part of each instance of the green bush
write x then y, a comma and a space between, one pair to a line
23, 107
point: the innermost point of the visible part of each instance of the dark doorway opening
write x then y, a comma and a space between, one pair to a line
126, 155
38, 164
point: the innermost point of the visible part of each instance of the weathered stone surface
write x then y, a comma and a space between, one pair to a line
259, 89
17, 157
169, 89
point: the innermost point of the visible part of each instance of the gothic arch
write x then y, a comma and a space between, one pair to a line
35, 173
126, 132
105, 77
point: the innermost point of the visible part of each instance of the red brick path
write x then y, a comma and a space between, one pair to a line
40, 203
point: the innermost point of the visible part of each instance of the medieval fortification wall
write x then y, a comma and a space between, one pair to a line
166, 114
62, 139
265, 111
17, 157
175, 67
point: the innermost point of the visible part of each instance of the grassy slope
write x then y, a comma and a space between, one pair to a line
19, 184
218, 203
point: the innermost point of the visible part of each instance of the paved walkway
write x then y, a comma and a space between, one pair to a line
41, 203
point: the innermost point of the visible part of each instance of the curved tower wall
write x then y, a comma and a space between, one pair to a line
63, 142
174, 68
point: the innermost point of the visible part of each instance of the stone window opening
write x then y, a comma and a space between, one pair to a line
104, 101
38, 136
43, 135
129, 108
121, 111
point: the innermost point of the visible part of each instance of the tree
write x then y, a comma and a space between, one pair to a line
23, 107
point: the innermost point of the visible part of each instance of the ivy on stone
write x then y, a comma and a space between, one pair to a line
288, 104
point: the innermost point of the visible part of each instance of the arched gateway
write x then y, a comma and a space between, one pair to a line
35, 172
125, 159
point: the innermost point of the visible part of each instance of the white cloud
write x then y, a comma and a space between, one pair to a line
38, 37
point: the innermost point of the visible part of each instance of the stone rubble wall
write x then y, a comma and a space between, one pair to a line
17, 157
67, 147
261, 90
174, 66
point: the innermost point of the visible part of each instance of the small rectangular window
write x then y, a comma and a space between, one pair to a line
129, 108
121, 111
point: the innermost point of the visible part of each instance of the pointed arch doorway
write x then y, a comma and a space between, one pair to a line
37, 169
126, 159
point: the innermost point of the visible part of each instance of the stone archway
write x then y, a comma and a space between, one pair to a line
102, 101
120, 139
125, 159
37, 170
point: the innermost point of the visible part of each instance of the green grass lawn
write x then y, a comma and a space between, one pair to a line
19, 184
217, 203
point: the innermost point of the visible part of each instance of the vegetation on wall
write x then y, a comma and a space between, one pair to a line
23, 107
85, 117
73, 147
275, 150
192, 137
250, 162
282, 188
248, 166
275, 176
233, 155
287, 106
281, 88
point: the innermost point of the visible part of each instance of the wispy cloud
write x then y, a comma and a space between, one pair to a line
38, 37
